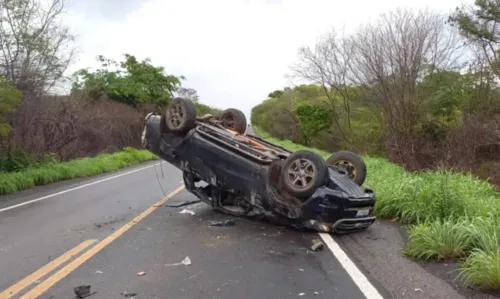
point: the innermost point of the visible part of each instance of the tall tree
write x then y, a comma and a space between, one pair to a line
132, 82
35, 49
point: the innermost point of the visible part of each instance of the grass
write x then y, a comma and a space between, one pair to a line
11, 182
450, 216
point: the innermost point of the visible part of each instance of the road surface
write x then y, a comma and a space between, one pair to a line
103, 231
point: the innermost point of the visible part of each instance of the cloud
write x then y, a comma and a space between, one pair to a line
234, 52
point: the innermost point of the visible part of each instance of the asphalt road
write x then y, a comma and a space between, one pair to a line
126, 228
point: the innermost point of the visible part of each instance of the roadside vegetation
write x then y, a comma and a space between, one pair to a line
48, 172
417, 94
450, 216
98, 122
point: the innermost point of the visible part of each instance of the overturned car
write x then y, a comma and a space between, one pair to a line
246, 176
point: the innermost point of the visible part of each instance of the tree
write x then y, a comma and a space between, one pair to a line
275, 94
133, 82
9, 99
189, 93
35, 49
313, 118
479, 25
327, 65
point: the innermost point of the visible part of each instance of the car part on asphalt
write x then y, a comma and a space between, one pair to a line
227, 222
317, 245
83, 291
246, 176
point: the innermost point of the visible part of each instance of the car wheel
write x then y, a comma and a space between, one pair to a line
234, 119
302, 173
351, 163
180, 115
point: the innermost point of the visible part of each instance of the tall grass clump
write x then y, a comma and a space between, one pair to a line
52, 172
446, 239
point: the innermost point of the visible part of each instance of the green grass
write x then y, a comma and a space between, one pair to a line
11, 182
450, 216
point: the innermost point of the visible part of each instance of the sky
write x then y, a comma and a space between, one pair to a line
233, 52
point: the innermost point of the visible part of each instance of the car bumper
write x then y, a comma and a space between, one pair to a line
330, 211
341, 226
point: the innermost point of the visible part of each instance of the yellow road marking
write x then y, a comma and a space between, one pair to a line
51, 266
49, 282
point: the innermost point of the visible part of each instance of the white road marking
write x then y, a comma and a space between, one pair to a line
357, 276
79, 187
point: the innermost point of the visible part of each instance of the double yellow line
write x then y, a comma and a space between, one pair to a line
63, 272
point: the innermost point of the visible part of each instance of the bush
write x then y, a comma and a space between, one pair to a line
52, 172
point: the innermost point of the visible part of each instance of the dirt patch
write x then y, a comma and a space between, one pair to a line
449, 272
379, 251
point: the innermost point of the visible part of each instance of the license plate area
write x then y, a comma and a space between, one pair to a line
363, 213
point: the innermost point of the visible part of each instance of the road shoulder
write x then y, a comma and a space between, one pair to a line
379, 251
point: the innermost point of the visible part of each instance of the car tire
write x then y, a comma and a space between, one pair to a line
235, 120
352, 163
180, 115
302, 173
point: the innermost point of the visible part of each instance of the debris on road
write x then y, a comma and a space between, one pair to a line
418, 290
186, 261
316, 293
142, 273
227, 222
99, 272
317, 245
302, 294
83, 291
301, 270
128, 294
182, 204
186, 211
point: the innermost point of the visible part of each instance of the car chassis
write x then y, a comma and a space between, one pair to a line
245, 176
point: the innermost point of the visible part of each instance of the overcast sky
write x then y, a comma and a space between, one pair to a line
233, 52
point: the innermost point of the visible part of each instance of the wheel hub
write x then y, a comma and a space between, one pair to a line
301, 173
348, 167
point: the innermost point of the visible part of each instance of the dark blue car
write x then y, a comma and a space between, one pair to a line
246, 176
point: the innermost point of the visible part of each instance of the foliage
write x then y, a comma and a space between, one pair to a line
133, 82
479, 25
36, 49
53, 172
10, 97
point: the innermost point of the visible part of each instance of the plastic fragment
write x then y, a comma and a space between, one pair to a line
142, 273
227, 222
317, 245
186, 211
82, 291
128, 294
186, 261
